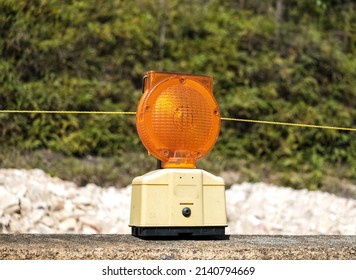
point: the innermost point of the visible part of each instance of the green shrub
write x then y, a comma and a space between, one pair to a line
293, 65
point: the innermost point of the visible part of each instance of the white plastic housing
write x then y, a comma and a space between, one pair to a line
158, 198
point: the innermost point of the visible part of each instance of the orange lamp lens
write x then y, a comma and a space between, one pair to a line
178, 119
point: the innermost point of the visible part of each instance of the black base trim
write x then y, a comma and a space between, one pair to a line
209, 232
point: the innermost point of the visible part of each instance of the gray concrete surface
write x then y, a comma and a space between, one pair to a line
127, 247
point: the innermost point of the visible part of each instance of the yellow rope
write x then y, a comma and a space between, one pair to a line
66, 112
134, 113
291, 124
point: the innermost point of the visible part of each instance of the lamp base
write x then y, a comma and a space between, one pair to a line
212, 232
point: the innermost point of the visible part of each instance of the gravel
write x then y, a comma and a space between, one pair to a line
31, 201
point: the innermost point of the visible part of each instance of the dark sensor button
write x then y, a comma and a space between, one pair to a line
186, 212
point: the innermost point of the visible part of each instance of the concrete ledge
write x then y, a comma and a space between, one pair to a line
127, 247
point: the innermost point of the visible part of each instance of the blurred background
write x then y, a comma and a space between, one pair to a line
274, 60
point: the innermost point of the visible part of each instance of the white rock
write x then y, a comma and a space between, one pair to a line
48, 221
7, 200
15, 226
25, 205
37, 215
4, 221
83, 199
44, 229
88, 230
49, 205
12, 209
68, 225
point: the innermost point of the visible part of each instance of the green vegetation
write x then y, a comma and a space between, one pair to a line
290, 61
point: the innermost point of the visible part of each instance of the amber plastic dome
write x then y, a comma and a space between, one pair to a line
178, 119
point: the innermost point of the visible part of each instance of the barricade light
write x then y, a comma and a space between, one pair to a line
178, 121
